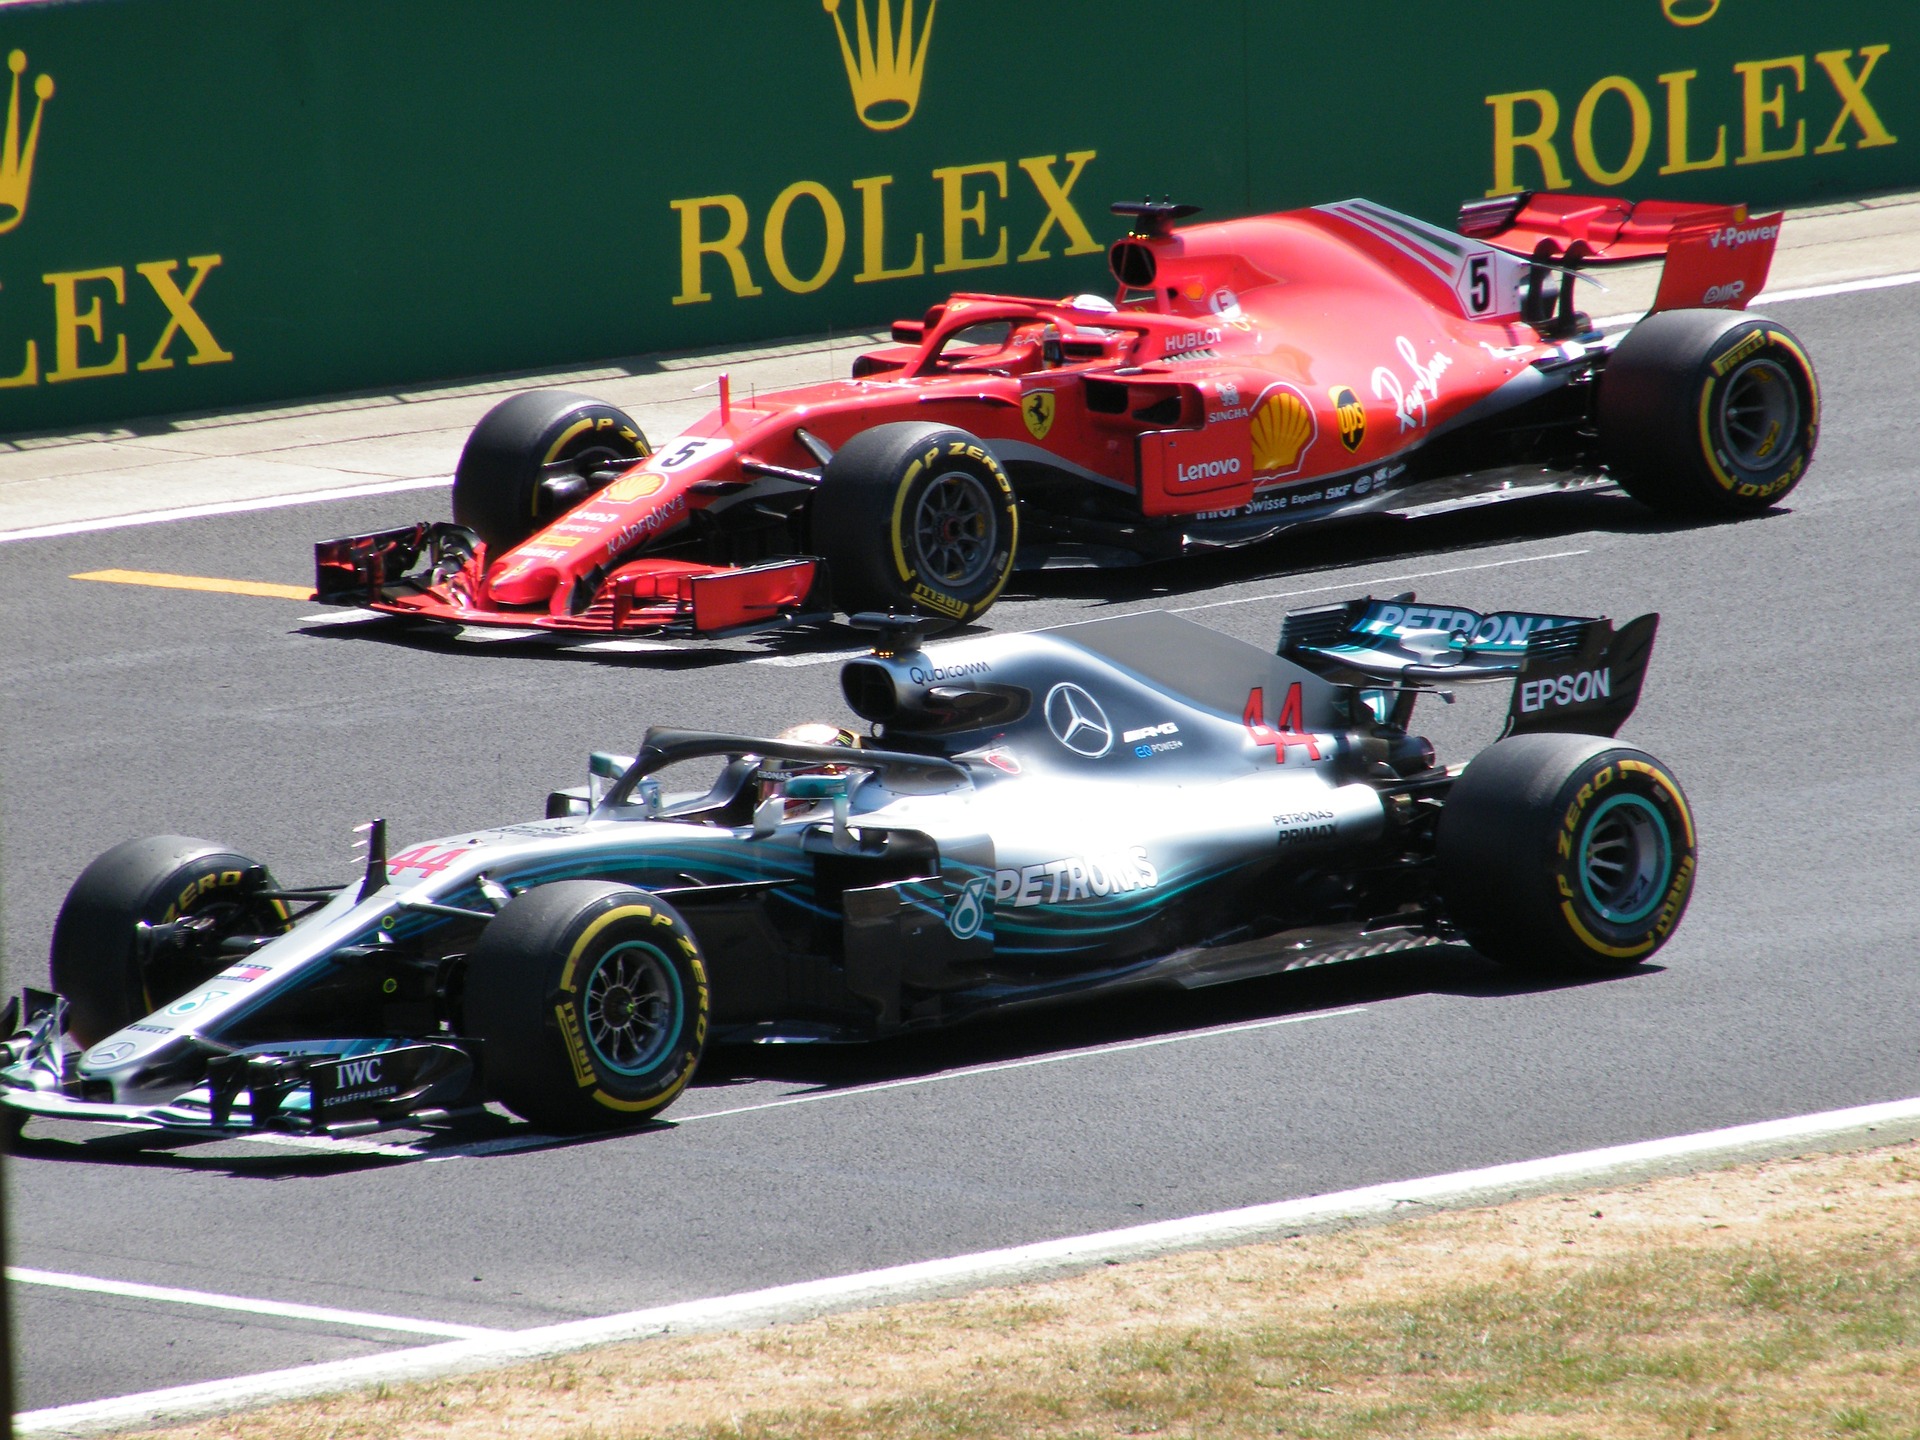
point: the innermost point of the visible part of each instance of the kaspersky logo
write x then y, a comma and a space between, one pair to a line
884, 72
16, 163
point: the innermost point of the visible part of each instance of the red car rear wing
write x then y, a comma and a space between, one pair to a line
1717, 256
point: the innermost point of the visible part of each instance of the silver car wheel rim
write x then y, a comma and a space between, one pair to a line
632, 997
1626, 860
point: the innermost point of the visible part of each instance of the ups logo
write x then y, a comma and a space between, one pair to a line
1352, 416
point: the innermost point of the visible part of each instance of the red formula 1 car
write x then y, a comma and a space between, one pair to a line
1249, 375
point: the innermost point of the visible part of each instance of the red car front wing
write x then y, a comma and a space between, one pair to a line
649, 596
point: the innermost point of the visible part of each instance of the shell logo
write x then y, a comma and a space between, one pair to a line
1282, 431
635, 486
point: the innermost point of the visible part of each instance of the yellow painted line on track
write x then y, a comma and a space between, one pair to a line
164, 581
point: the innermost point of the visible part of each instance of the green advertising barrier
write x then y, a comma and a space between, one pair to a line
214, 202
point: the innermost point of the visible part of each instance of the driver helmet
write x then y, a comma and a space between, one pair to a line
775, 771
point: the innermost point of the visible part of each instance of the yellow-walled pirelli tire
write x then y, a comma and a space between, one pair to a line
109, 979
916, 516
590, 1000
1566, 853
535, 456
1708, 412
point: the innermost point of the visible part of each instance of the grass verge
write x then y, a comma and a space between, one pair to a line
1773, 1300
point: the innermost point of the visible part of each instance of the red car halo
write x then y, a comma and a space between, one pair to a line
1250, 375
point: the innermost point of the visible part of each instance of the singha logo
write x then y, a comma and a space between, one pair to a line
883, 72
16, 163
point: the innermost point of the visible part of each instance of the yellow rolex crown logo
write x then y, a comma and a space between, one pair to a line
16, 163
884, 72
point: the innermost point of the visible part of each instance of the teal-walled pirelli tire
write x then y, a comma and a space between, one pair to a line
590, 1000
535, 456
99, 966
916, 516
1566, 853
1708, 412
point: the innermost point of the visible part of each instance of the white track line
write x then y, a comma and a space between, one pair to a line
1839, 287
794, 662
1781, 297
1864, 1125
325, 1315
230, 507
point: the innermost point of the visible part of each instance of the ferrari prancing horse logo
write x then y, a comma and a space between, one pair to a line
1037, 410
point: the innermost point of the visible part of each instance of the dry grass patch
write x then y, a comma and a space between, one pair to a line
1776, 1300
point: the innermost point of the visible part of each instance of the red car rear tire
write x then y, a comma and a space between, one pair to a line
1708, 412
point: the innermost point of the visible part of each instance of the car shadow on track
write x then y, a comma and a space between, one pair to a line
1288, 557
1160, 1013
1035, 1035
475, 1134
1370, 541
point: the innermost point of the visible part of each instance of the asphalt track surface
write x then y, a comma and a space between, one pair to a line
1781, 692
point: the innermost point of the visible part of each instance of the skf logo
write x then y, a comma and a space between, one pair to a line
885, 73
1037, 410
16, 164
1352, 416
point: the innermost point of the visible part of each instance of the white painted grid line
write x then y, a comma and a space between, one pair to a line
360, 1319
1839, 287
1862, 1125
225, 507
1781, 297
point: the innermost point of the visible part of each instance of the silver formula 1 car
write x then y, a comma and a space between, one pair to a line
1130, 801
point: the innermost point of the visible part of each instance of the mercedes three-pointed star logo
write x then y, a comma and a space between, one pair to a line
1078, 722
